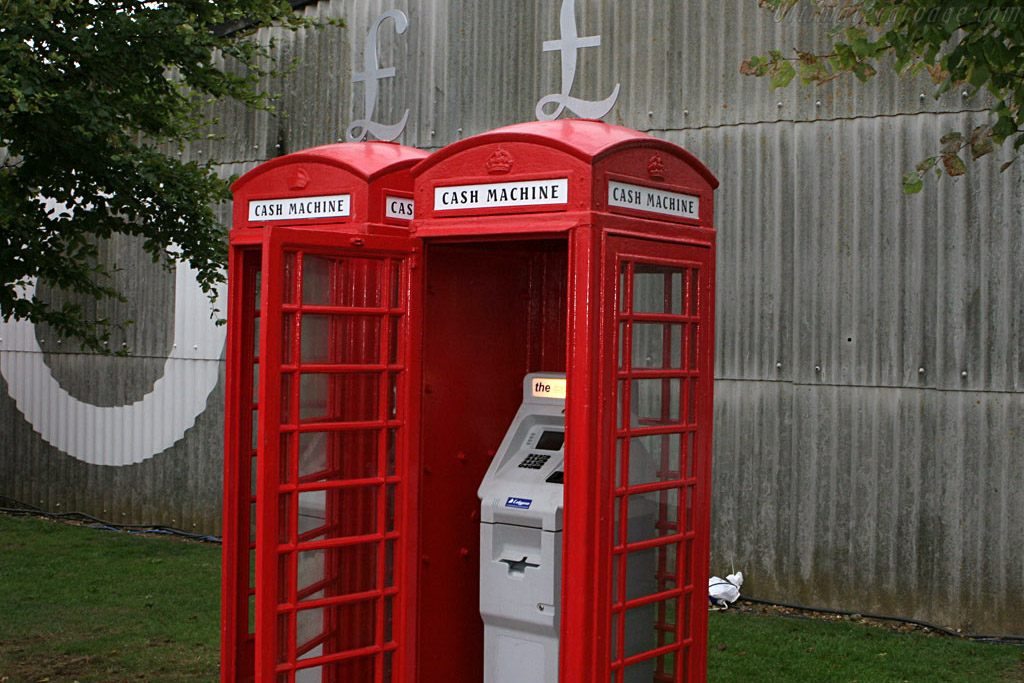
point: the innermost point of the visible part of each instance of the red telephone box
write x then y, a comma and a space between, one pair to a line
318, 372
390, 366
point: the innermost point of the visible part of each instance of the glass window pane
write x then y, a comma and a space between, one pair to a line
338, 512
396, 284
623, 294
694, 291
650, 571
648, 628
316, 280
657, 289
655, 402
394, 330
287, 332
341, 339
652, 515
654, 458
257, 288
360, 283
285, 457
288, 273
336, 456
286, 397
339, 397
332, 572
285, 518
657, 345
283, 636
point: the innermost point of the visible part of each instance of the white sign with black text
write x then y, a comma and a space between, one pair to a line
553, 191
327, 206
628, 196
398, 207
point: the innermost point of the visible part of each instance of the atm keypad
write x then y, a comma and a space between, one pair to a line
534, 461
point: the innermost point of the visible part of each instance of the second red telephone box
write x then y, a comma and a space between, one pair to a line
517, 387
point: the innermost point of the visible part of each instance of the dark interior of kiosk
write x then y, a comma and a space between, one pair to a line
493, 312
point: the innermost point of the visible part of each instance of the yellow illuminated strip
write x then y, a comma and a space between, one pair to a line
548, 387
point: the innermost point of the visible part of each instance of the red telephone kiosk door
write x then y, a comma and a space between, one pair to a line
322, 413
336, 424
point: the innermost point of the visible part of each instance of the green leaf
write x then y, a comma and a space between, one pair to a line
912, 183
978, 76
863, 71
926, 164
782, 75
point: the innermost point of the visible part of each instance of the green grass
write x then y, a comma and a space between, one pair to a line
83, 605
78, 604
746, 646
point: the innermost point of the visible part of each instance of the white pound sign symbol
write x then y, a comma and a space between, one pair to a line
373, 73
569, 43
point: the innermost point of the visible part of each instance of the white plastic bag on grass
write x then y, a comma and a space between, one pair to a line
723, 592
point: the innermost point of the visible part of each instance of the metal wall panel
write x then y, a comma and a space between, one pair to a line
870, 354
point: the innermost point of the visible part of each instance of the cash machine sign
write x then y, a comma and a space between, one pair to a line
520, 503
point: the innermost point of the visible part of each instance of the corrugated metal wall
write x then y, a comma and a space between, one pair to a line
870, 358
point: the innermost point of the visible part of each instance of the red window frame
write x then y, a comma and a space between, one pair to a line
367, 377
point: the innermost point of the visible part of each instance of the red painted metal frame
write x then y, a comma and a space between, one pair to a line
680, 595
278, 243
237, 642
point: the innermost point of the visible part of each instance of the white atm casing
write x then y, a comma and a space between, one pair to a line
521, 540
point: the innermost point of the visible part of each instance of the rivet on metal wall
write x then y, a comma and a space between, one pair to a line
686, 112
964, 374
778, 104
964, 94
650, 112
920, 371
779, 365
817, 368
921, 97
817, 103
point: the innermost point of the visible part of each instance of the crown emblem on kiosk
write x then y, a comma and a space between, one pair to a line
499, 162
656, 168
298, 180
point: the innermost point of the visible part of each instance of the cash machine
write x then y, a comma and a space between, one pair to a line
521, 538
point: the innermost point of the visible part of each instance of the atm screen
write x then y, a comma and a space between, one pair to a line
551, 441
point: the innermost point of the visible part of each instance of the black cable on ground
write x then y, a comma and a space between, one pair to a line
96, 523
981, 637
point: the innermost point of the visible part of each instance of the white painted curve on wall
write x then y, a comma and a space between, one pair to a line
128, 434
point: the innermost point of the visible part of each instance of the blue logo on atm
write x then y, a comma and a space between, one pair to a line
521, 503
